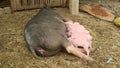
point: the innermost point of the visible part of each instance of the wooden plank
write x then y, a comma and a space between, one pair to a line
64, 2
67, 4
12, 5
32, 4
18, 4
39, 3
98, 11
24, 4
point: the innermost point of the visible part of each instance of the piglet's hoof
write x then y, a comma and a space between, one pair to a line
89, 59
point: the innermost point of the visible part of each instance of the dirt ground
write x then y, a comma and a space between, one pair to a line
106, 41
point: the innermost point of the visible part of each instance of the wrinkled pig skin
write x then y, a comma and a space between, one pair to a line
79, 36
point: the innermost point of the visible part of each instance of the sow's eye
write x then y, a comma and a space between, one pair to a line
79, 46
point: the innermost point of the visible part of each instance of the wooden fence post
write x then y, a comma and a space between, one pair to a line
74, 7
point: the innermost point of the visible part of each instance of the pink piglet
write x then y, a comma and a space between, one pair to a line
79, 36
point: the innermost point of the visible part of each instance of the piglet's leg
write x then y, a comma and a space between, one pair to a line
71, 49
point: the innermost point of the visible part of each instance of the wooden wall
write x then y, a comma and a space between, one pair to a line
29, 4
